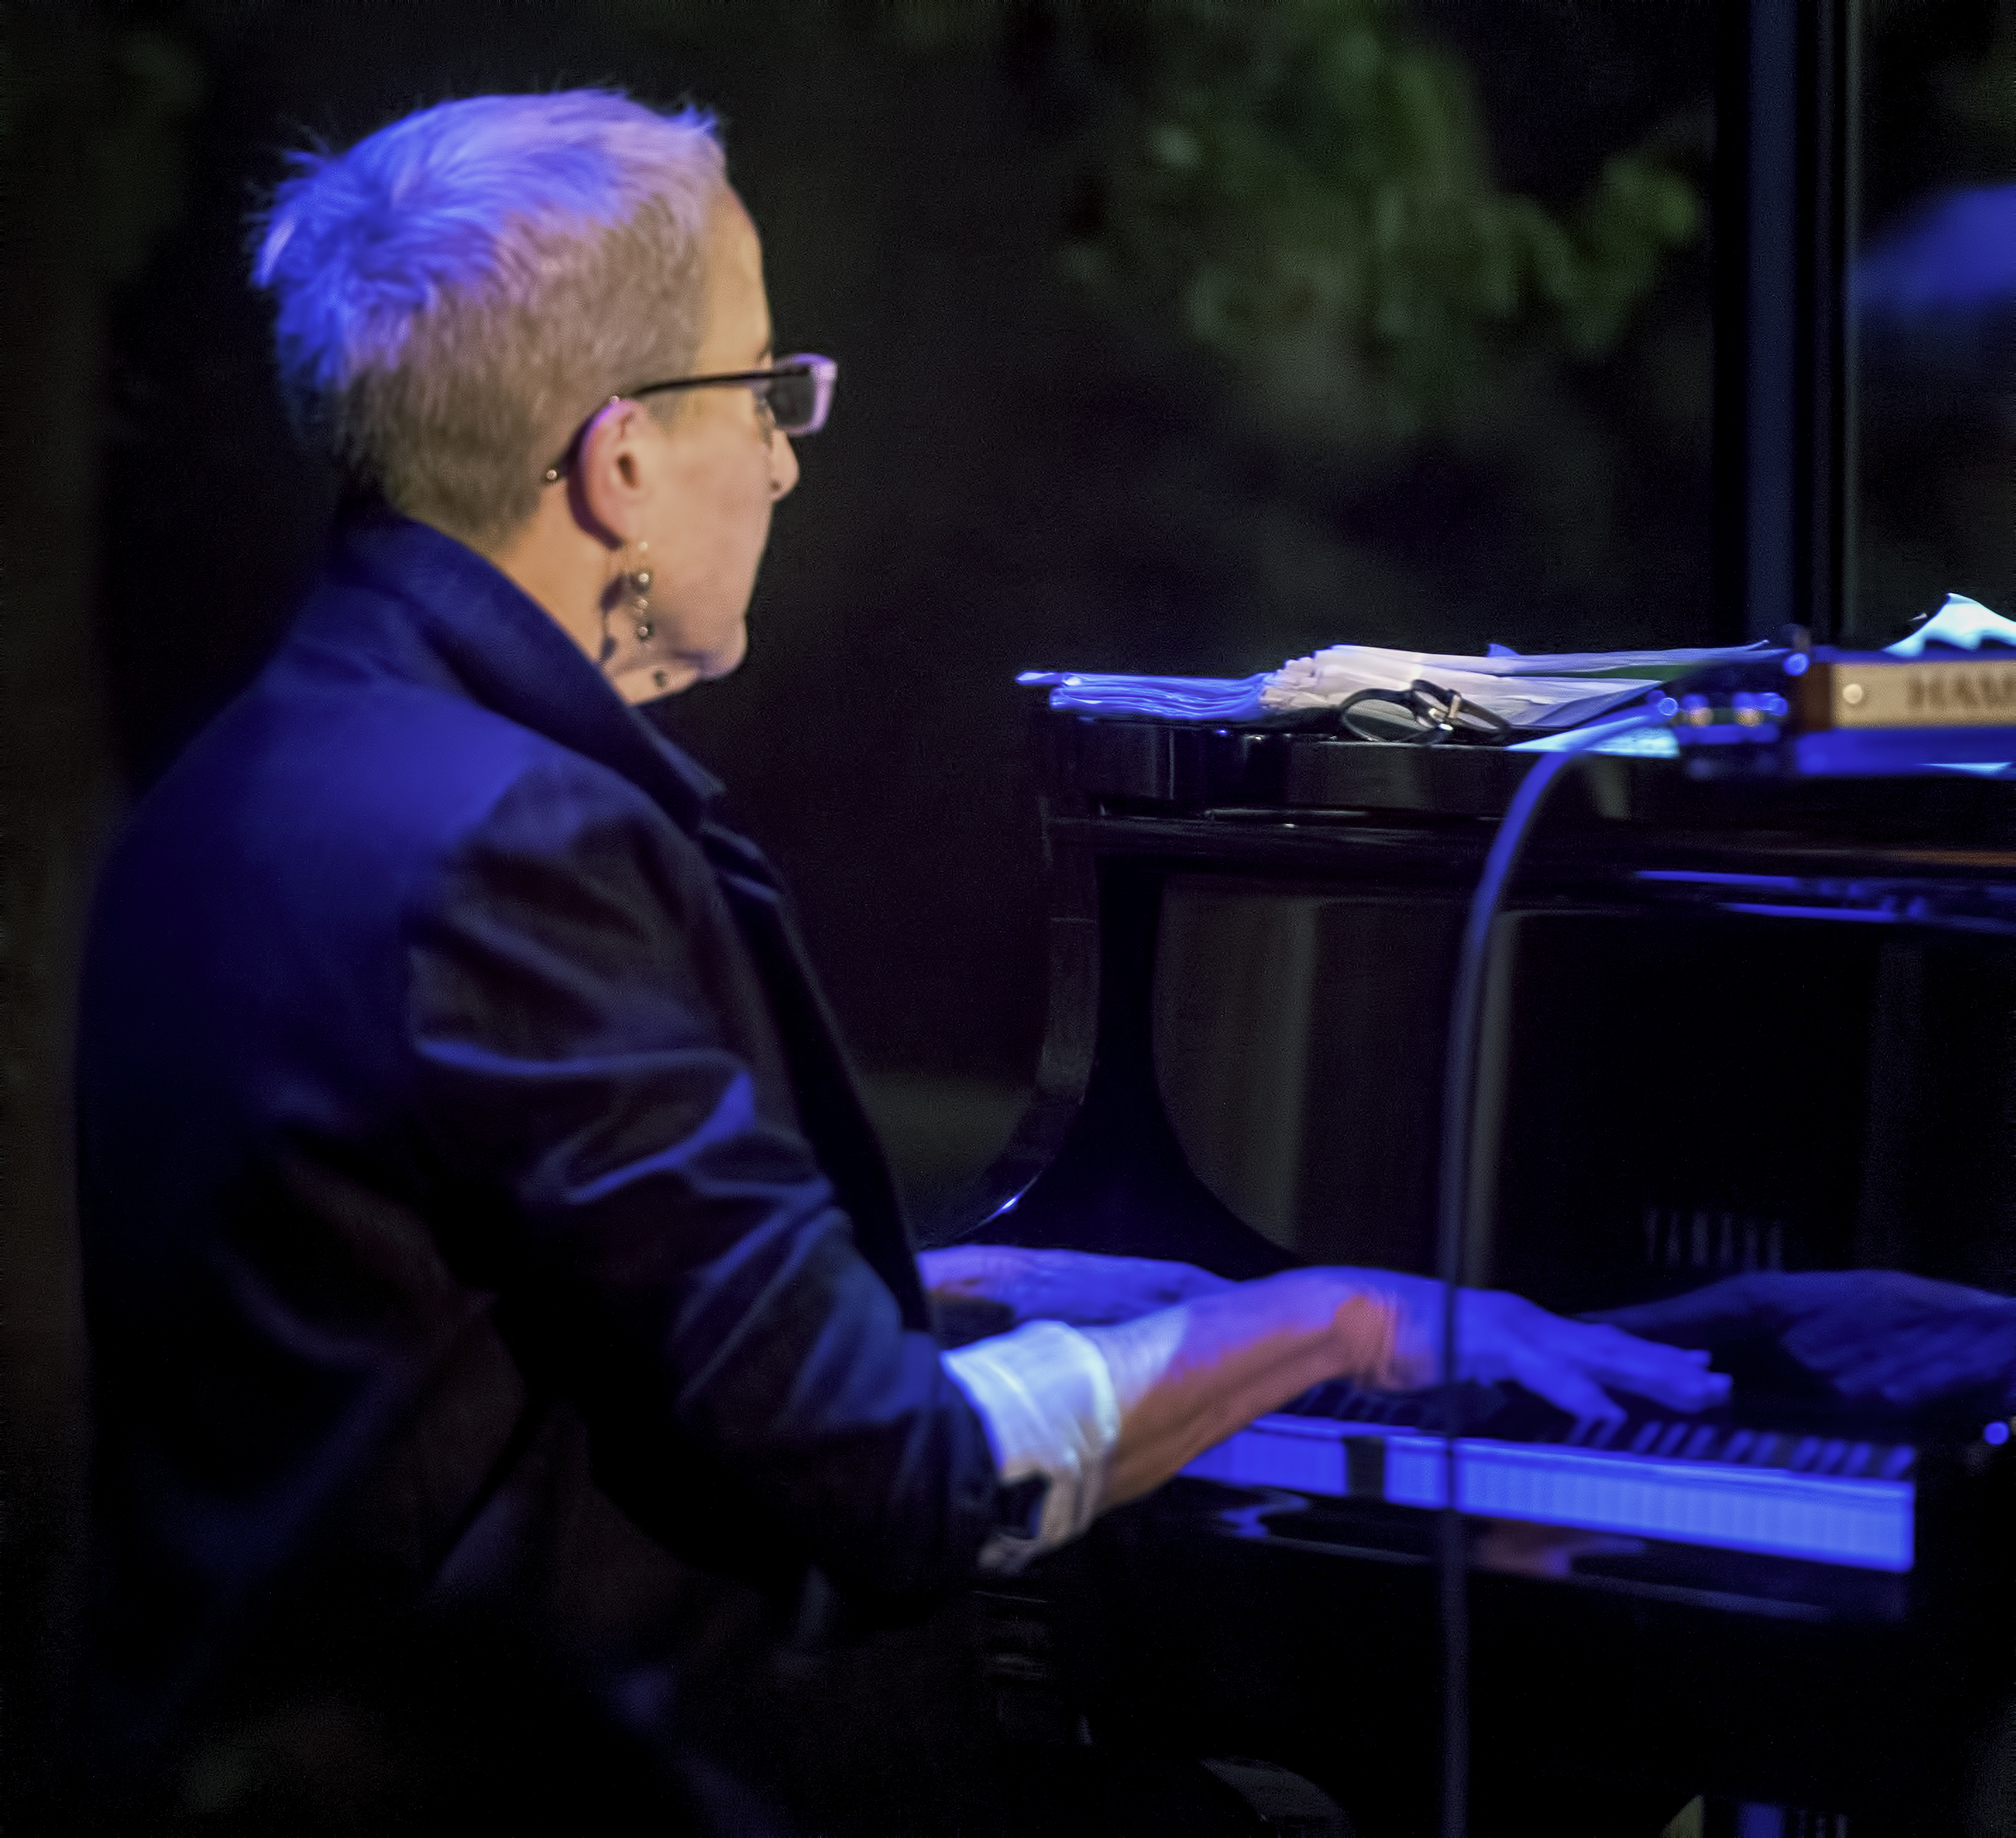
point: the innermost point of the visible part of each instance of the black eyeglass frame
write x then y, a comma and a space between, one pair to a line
801, 366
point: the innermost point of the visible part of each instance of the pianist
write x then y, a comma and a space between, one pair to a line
482, 1231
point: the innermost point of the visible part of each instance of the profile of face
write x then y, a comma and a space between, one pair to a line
698, 489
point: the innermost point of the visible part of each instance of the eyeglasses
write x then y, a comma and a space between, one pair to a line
1423, 715
793, 396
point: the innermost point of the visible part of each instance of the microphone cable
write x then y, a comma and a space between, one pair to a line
1466, 1031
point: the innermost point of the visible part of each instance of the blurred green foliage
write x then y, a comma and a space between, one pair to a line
1306, 188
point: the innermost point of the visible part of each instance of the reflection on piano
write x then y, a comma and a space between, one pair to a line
1791, 1600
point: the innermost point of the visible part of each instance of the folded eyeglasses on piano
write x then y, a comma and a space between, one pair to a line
1731, 1024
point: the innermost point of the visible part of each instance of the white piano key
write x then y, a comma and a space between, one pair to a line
1865, 1523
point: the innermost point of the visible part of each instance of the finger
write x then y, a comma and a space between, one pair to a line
1682, 1389
1838, 1336
1907, 1358
1561, 1384
1602, 1343
1676, 1376
1905, 1382
1920, 1384
1956, 1362
1960, 1354
1608, 1355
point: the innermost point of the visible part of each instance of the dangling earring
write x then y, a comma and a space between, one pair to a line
629, 659
638, 581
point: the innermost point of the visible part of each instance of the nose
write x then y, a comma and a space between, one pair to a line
784, 467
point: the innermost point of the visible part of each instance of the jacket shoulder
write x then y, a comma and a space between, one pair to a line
362, 779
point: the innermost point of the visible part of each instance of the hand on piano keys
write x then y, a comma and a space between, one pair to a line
1573, 1364
1193, 1358
1872, 1333
1499, 1336
1081, 1288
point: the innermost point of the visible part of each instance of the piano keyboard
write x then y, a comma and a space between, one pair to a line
1828, 1499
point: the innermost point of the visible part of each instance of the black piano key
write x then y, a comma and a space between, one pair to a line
1658, 1437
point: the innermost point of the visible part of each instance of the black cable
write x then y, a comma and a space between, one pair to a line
1459, 1107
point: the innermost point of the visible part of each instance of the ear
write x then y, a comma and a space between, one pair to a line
607, 484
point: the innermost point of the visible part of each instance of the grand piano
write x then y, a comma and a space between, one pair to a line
1734, 1022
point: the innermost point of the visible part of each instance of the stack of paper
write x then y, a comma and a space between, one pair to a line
1538, 693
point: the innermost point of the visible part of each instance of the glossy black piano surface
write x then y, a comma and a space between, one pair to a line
1734, 1025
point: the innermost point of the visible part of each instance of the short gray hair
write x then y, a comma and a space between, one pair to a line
460, 290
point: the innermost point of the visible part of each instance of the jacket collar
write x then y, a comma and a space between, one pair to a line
399, 595
498, 645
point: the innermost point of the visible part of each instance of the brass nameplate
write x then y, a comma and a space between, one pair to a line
1969, 692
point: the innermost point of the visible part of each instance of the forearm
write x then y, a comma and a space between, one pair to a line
1109, 1413
1188, 1377
1105, 1414
1076, 1286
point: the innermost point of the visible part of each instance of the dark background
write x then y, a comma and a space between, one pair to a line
1174, 337
1019, 472
1937, 425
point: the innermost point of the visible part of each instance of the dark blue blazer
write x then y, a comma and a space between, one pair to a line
477, 1204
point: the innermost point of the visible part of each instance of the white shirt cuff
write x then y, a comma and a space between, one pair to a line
1046, 1398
